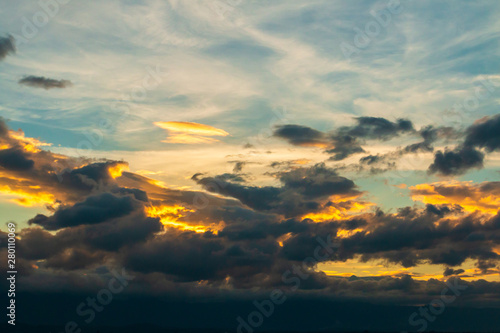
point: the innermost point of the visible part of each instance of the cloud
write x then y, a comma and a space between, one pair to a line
303, 190
450, 271
377, 128
236, 236
43, 82
190, 133
484, 133
483, 197
15, 159
238, 165
7, 46
95, 209
412, 236
347, 140
298, 135
211, 78
457, 161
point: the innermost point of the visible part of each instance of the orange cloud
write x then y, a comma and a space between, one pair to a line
340, 208
28, 199
170, 216
483, 197
116, 170
190, 133
29, 144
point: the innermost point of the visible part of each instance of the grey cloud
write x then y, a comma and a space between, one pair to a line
43, 82
7, 46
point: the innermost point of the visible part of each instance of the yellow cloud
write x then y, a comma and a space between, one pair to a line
483, 197
190, 133
28, 199
29, 144
116, 170
341, 207
170, 216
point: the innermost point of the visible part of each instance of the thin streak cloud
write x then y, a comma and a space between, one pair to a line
189, 132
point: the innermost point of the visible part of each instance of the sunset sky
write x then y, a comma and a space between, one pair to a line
205, 146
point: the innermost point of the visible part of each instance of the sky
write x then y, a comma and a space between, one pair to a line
342, 153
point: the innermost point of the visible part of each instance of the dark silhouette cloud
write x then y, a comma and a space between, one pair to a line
7, 46
15, 159
43, 82
450, 271
300, 135
347, 140
95, 209
484, 133
101, 221
345, 145
457, 161
377, 128
302, 190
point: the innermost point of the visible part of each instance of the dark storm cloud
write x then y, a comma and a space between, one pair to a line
28, 169
388, 161
43, 82
137, 193
316, 181
457, 161
484, 134
104, 225
247, 251
259, 198
430, 134
111, 235
344, 146
300, 135
95, 209
7, 46
450, 271
301, 191
74, 258
412, 236
377, 128
89, 176
347, 140
442, 210
15, 159
196, 257
36, 244
88, 241
485, 265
